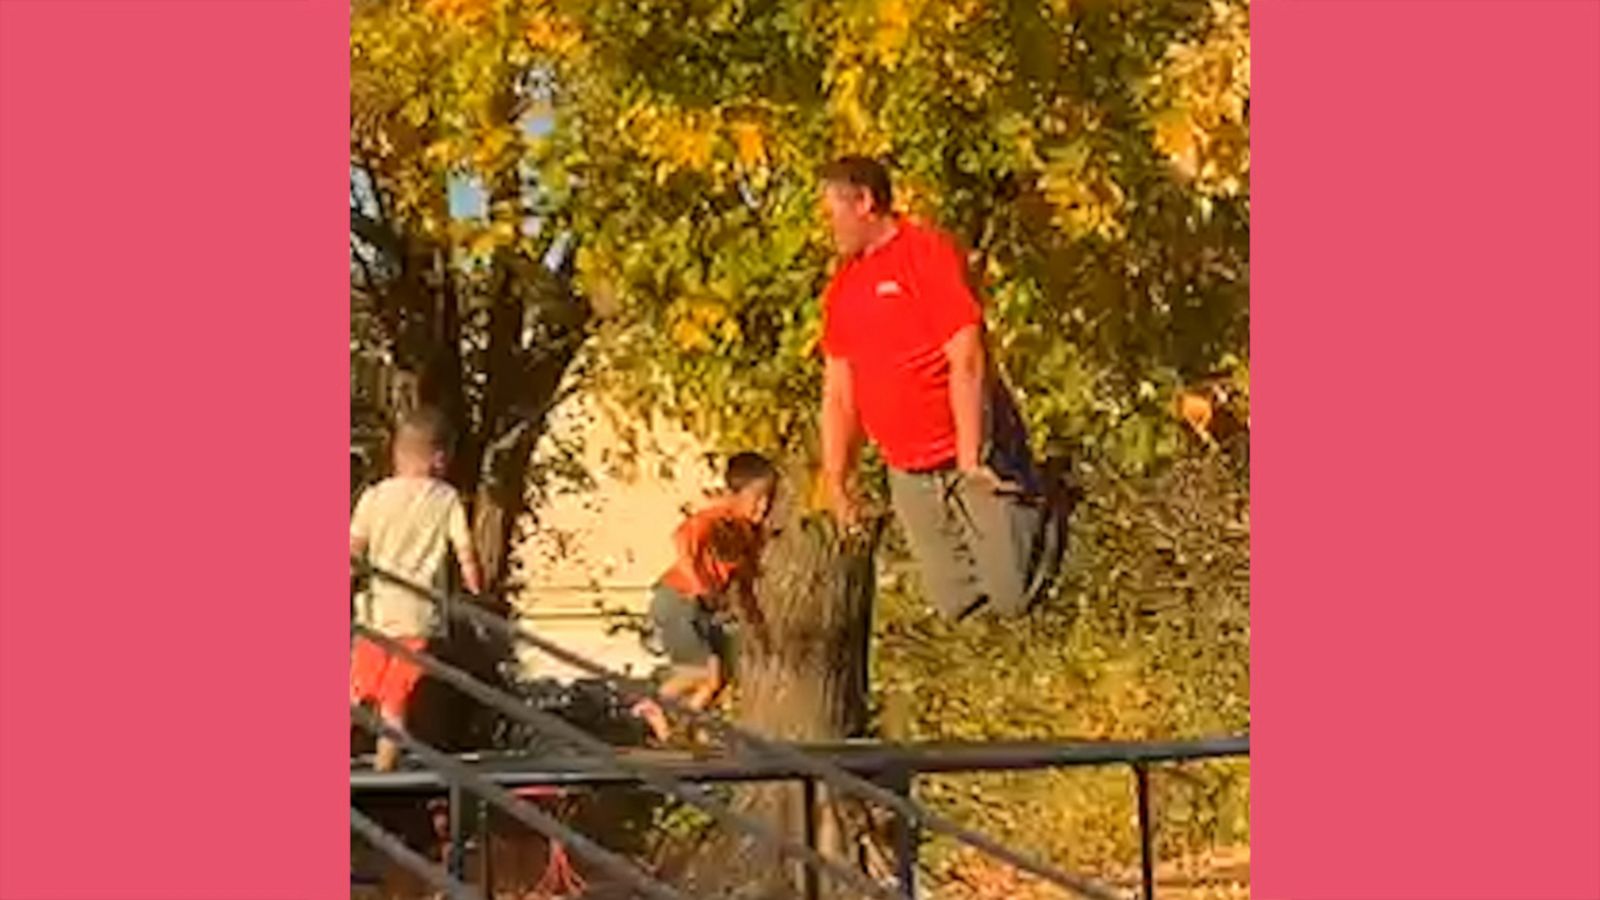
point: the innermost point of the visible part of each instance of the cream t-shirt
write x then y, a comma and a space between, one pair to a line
410, 525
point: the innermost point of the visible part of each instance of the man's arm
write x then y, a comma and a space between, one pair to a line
841, 436
965, 354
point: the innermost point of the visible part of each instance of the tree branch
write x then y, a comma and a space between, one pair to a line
376, 233
368, 280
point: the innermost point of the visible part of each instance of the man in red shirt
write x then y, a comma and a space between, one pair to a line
904, 363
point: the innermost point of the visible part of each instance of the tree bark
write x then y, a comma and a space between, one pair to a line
807, 684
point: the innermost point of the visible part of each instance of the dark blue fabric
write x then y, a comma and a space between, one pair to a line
1010, 455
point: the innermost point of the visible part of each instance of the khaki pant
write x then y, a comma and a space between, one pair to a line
974, 546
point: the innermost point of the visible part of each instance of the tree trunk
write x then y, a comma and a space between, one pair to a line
808, 684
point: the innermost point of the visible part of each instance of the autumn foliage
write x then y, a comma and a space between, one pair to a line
1093, 155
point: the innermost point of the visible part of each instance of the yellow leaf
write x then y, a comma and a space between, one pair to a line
846, 103
689, 337
439, 152
1196, 410
483, 244
1176, 139
892, 29
454, 9
749, 145
710, 313
492, 146
555, 33
688, 145
415, 112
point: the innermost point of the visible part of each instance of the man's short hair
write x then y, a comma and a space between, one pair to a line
426, 425
745, 469
864, 174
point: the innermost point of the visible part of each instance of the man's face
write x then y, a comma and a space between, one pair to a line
850, 213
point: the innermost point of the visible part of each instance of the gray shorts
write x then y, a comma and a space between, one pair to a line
973, 546
688, 632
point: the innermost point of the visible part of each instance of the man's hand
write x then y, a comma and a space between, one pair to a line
844, 505
984, 477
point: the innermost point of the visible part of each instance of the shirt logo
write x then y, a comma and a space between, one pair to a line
889, 289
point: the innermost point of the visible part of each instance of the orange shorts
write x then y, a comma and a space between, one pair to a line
384, 677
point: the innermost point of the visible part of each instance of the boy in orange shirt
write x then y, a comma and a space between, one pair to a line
718, 548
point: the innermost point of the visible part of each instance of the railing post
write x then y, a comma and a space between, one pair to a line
485, 850
1147, 872
908, 838
808, 874
456, 862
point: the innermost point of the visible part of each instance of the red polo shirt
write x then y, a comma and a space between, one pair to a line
889, 313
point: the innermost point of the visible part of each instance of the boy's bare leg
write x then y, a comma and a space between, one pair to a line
388, 753
685, 682
705, 692
708, 686
655, 718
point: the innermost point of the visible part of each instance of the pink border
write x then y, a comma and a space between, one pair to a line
1426, 490
172, 492
1427, 480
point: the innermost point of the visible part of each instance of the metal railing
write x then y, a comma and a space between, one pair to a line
744, 741
445, 883
876, 773
644, 773
897, 765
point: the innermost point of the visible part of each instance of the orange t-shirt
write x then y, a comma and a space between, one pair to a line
716, 547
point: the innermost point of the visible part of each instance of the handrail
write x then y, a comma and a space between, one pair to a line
642, 772
519, 809
410, 860
864, 759
462, 606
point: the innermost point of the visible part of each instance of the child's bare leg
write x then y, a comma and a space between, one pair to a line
655, 718
685, 681
388, 752
705, 693
708, 686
